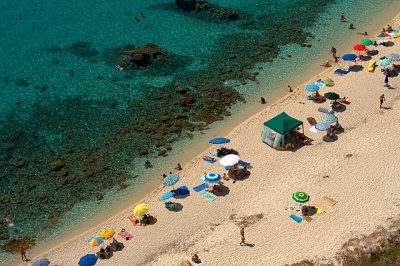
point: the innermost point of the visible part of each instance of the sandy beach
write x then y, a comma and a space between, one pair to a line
358, 170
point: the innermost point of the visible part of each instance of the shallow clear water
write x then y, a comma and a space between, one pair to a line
63, 99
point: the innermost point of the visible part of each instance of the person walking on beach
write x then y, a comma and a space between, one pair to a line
242, 236
22, 251
382, 99
333, 51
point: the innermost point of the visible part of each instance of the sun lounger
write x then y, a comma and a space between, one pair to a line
243, 163
371, 65
201, 187
296, 218
167, 195
328, 201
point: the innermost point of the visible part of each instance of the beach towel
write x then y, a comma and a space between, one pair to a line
208, 196
328, 201
167, 195
133, 220
125, 235
296, 218
307, 218
341, 72
209, 159
201, 187
324, 110
243, 163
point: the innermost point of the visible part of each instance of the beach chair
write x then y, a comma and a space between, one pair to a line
371, 65
311, 120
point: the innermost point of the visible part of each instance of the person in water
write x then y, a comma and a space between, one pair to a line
142, 15
262, 100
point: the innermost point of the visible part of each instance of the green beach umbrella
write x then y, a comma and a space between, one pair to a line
331, 96
300, 196
366, 42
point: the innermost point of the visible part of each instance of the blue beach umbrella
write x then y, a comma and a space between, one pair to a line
88, 260
219, 141
393, 57
349, 57
322, 126
170, 180
384, 62
41, 262
212, 177
312, 88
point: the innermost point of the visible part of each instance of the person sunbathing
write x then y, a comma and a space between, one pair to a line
364, 57
326, 64
196, 259
342, 100
362, 33
209, 158
336, 105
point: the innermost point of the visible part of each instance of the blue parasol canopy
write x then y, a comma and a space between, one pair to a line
322, 126
88, 260
312, 87
170, 180
349, 57
219, 141
212, 177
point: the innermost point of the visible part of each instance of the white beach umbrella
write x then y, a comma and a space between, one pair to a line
229, 160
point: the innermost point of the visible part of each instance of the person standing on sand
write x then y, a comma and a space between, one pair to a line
382, 99
242, 236
22, 251
289, 89
333, 51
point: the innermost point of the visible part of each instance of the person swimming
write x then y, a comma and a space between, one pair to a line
142, 15
136, 19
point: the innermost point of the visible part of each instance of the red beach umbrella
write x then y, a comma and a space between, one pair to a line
359, 47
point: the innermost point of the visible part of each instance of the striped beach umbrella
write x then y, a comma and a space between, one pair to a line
329, 118
212, 177
95, 241
393, 57
384, 62
300, 197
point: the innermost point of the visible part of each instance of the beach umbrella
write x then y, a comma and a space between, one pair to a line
393, 57
140, 209
212, 177
229, 160
107, 233
300, 197
322, 126
384, 62
312, 88
366, 42
329, 118
331, 96
349, 57
383, 34
181, 263
219, 141
328, 81
41, 262
359, 47
88, 260
95, 241
170, 180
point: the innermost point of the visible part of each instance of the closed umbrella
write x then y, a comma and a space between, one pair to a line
212, 177
331, 96
329, 118
95, 241
170, 180
140, 209
107, 233
300, 197
312, 87
41, 262
322, 126
328, 81
359, 47
88, 260
384, 62
366, 42
349, 57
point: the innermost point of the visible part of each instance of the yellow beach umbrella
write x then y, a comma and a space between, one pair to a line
140, 209
328, 81
107, 233
181, 263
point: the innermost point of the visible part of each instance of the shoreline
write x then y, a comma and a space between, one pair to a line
275, 105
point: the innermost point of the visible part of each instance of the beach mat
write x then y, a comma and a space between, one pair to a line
201, 187
307, 218
328, 201
296, 218
133, 220
208, 196
125, 235
167, 195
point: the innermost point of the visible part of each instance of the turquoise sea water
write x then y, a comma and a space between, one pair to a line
74, 126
